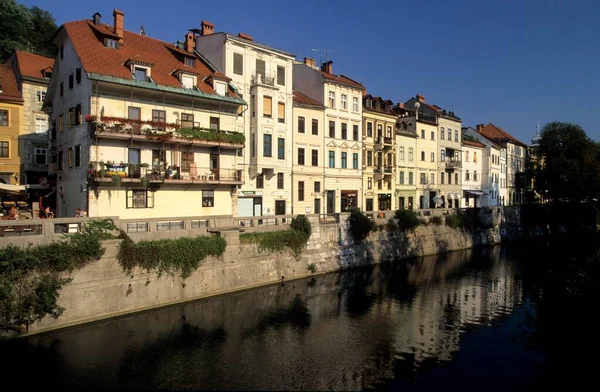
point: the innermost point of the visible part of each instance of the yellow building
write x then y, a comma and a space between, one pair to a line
11, 117
308, 167
379, 154
406, 160
144, 128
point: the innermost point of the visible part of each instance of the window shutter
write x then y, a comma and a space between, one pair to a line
267, 106
150, 199
238, 64
280, 110
129, 203
260, 67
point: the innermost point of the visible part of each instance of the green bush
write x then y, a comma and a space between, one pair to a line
392, 225
312, 267
30, 278
454, 221
277, 241
360, 225
183, 255
212, 135
407, 220
302, 224
436, 220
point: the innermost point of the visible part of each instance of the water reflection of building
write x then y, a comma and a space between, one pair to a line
444, 307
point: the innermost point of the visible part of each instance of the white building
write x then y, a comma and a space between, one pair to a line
492, 178
144, 128
342, 98
512, 161
472, 184
262, 75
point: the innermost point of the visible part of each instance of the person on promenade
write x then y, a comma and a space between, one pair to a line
79, 213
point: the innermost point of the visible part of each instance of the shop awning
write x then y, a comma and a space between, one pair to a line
475, 193
12, 188
20, 188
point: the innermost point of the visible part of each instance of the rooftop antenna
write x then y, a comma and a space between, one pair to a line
325, 52
142, 30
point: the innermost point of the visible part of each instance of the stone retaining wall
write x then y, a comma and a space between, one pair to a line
101, 289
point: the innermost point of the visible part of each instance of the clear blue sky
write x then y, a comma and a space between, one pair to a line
507, 62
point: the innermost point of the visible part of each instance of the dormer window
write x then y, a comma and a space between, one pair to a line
110, 43
140, 74
188, 81
369, 103
190, 62
220, 87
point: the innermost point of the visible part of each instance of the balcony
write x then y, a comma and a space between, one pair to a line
147, 174
383, 143
383, 171
262, 80
160, 132
453, 164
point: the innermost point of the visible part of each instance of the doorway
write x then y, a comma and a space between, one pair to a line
330, 202
279, 207
317, 206
135, 113
134, 155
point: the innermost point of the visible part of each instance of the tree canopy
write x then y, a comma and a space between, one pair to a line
568, 163
23, 28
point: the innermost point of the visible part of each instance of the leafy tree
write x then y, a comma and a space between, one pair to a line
25, 29
568, 166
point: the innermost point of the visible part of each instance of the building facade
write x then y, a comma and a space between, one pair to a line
308, 169
448, 153
11, 116
472, 167
491, 167
379, 154
262, 75
406, 158
144, 128
512, 162
342, 98
33, 73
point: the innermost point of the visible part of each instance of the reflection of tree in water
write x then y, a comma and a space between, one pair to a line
146, 367
297, 315
355, 291
22, 356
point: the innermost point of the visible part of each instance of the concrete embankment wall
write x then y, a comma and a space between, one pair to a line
101, 289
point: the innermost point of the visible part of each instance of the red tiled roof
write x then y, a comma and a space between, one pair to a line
96, 58
302, 99
342, 79
10, 88
497, 134
472, 143
33, 65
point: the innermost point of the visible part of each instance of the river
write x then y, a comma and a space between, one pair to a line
468, 320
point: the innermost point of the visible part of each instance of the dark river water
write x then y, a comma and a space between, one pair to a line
469, 320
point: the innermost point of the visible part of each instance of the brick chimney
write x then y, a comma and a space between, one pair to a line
311, 62
207, 28
478, 127
190, 42
420, 98
245, 36
119, 21
327, 67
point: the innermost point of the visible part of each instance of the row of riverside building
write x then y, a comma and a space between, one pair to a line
219, 124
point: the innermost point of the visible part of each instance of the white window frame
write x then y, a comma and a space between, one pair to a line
40, 152
355, 104
344, 101
44, 125
332, 99
40, 95
221, 88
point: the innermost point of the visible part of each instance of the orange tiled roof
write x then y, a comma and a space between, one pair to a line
33, 65
472, 143
302, 99
87, 39
497, 134
342, 79
10, 88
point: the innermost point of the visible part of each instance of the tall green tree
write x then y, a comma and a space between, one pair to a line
568, 163
23, 28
